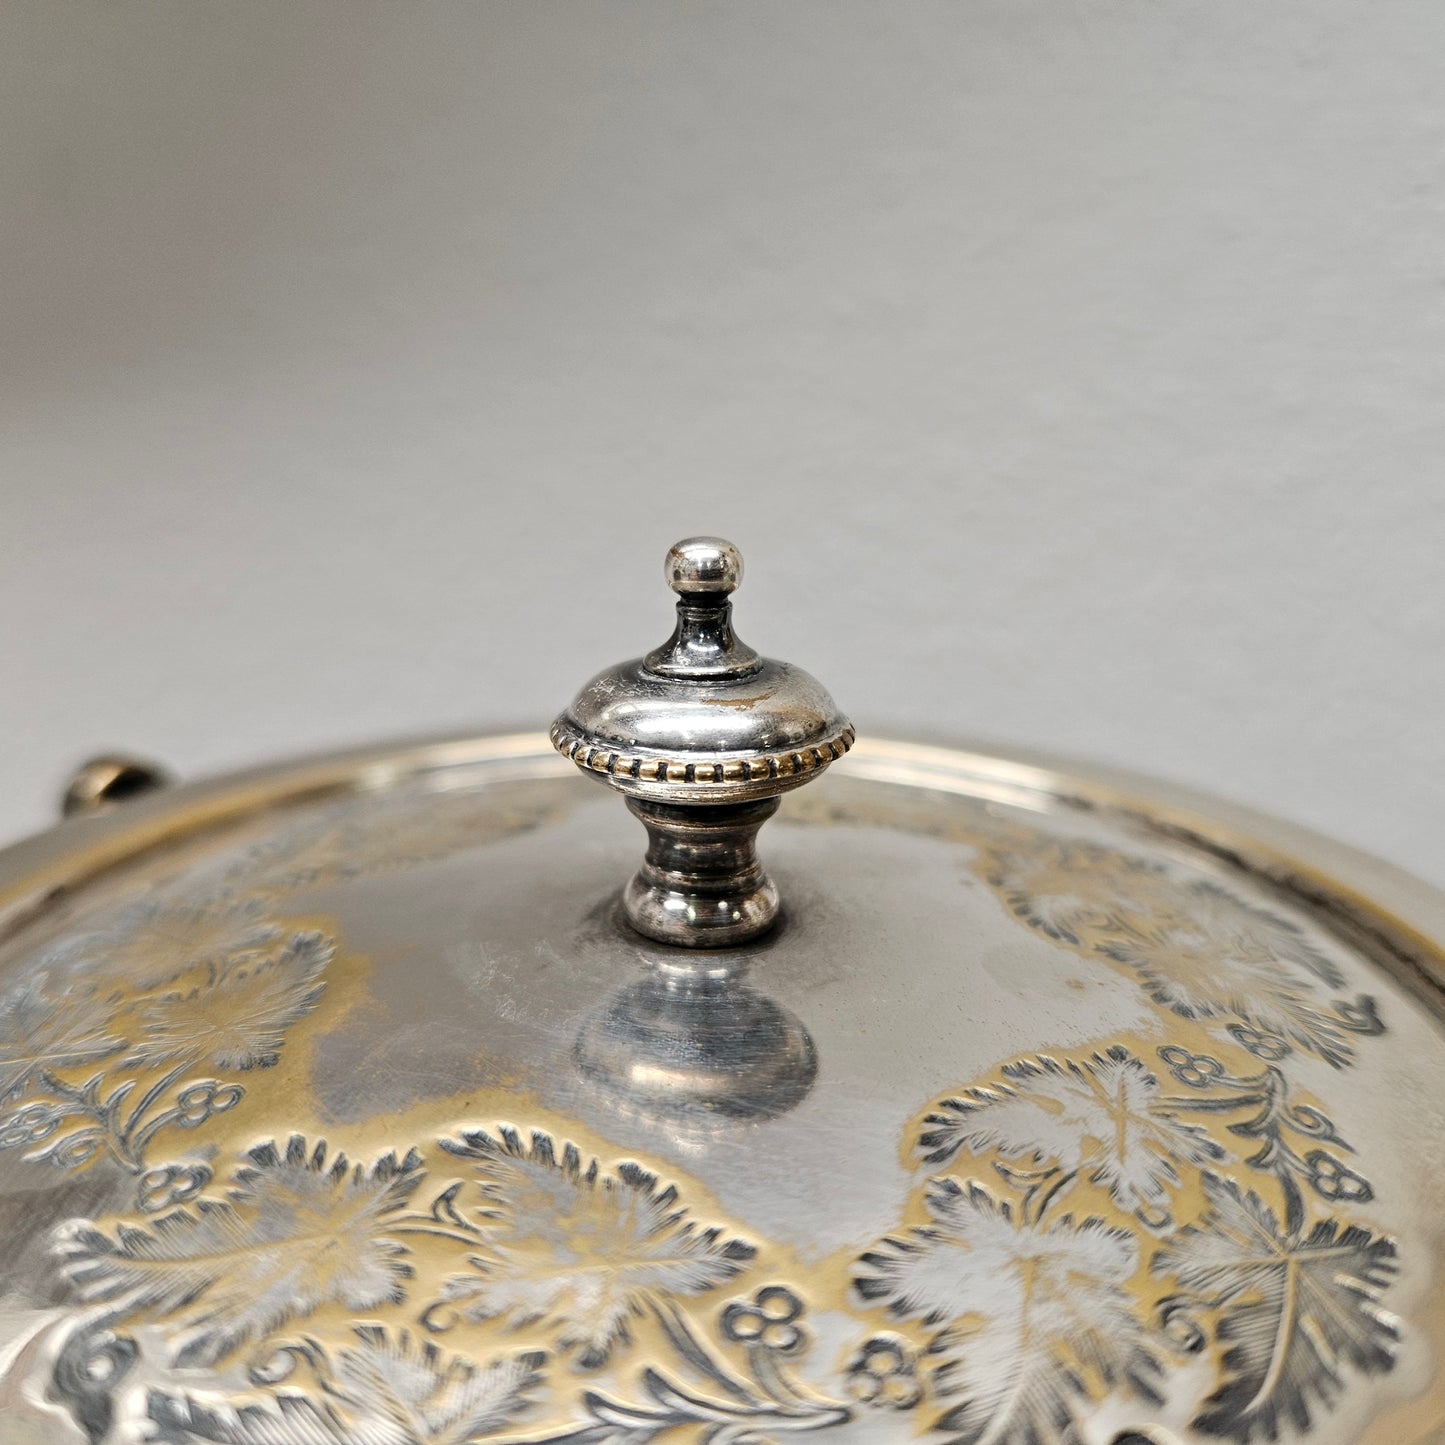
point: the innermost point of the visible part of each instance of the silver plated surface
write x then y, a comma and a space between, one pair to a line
337, 1105
702, 736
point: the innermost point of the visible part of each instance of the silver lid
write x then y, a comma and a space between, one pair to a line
337, 1105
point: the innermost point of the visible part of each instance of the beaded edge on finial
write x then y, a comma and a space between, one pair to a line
652, 768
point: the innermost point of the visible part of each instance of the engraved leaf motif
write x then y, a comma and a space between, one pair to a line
581, 1249
286, 1420
1200, 978
1074, 891
40, 1031
382, 833
1294, 1308
237, 1016
1197, 947
432, 1401
1237, 927
297, 1231
149, 943
1104, 1115
1085, 893
1025, 1312
386, 1390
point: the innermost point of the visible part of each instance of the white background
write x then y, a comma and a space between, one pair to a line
1070, 372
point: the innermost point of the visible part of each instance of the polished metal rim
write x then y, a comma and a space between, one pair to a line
1398, 917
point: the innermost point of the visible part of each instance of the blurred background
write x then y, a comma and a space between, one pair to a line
1071, 373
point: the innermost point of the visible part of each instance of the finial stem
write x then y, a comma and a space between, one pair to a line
703, 643
701, 884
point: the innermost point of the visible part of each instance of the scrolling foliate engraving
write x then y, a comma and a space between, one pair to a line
1029, 1315
40, 1031
1080, 1222
1090, 1221
1105, 1117
138, 1028
1264, 1112
296, 1230
1199, 950
721, 1404
639, 1250
1293, 1309
605, 1271
388, 1388
587, 1254
235, 1016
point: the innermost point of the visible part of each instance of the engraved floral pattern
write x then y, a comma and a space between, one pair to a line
150, 942
298, 1229
884, 1371
1104, 1116
720, 1404
1270, 1119
584, 1255
1080, 1221
152, 1003
41, 1031
1024, 1312
384, 1389
583, 1250
1198, 949
1295, 1308
1034, 1313
235, 1017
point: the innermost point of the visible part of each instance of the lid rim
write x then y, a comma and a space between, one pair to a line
1365, 889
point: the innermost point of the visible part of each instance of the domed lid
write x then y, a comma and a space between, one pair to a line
357, 1100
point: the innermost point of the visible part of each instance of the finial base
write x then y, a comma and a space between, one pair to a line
701, 884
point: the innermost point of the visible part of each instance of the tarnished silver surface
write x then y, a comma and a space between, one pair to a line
337, 1107
702, 735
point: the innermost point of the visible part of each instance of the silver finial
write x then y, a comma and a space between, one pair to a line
702, 735
702, 564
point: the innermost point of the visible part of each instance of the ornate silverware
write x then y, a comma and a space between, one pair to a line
702, 736
339, 1105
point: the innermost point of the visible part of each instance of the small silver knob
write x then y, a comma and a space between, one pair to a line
702, 565
702, 735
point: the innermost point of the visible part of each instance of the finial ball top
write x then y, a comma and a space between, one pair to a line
706, 565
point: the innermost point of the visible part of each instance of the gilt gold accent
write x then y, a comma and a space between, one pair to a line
1081, 1224
1074, 1228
